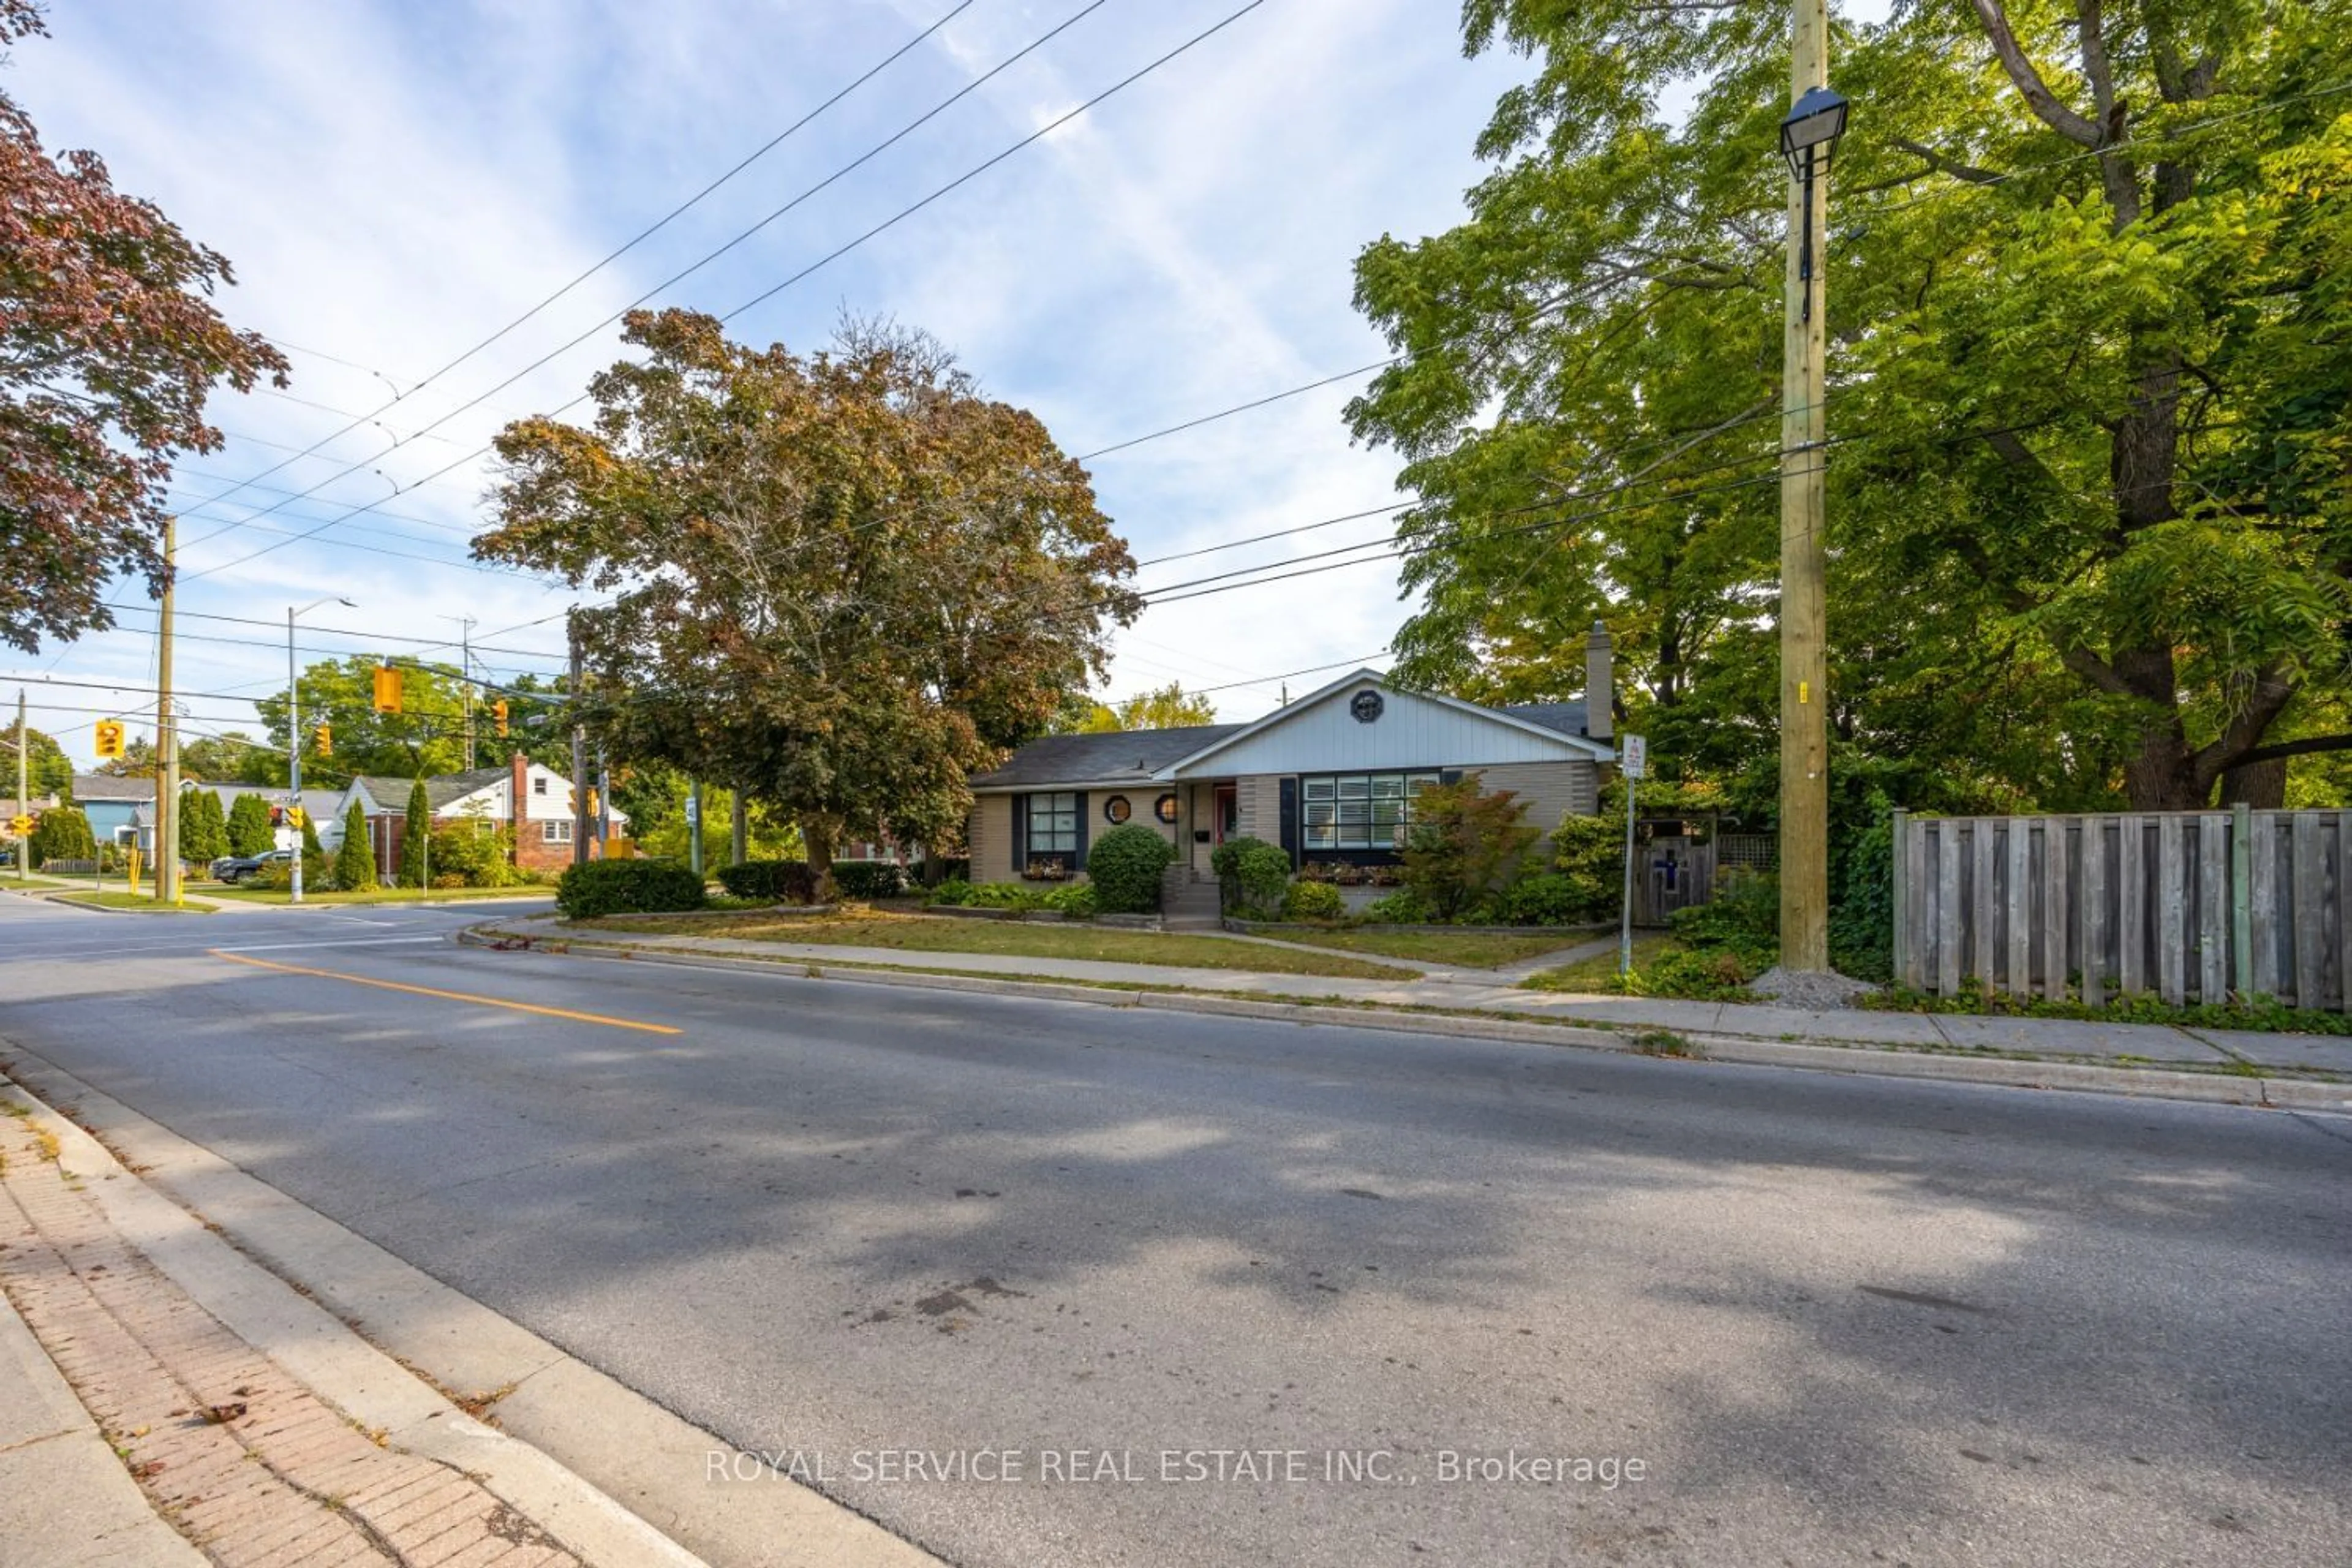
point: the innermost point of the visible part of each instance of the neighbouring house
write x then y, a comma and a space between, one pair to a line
113, 803
122, 810
1330, 777
532, 800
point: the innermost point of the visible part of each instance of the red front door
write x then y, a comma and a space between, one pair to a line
1229, 813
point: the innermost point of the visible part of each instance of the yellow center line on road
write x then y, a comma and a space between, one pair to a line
448, 995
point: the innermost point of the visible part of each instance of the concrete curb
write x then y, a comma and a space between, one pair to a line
1884, 1061
619, 1479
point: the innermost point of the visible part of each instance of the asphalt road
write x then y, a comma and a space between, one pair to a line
1833, 1319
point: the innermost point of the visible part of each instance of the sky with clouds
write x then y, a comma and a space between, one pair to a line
396, 183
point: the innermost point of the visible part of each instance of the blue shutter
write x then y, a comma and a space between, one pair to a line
1020, 834
1080, 864
1290, 815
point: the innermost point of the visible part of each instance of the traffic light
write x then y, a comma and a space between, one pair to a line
326, 741
109, 737
387, 690
499, 711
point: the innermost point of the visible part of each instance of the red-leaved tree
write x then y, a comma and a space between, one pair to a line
109, 346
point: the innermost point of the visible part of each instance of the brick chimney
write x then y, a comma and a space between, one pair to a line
1600, 684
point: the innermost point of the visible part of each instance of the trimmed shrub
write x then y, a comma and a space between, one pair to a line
869, 878
1403, 908
1078, 900
1125, 865
1590, 851
777, 881
416, 837
249, 832
1551, 899
1313, 902
954, 892
355, 869
61, 834
1251, 876
477, 852
318, 876
627, 887
203, 831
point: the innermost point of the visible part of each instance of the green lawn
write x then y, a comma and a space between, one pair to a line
1600, 975
370, 896
144, 903
1468, 949
1025, 939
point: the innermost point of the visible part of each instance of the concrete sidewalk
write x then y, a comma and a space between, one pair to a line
137, 1427
1853, 1039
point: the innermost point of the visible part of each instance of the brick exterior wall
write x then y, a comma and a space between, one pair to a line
1551, 790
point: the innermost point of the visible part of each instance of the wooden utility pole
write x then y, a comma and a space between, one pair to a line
579, 759
23, 807
166, 816
1804, 663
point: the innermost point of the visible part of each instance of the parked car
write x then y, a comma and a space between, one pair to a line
235, 868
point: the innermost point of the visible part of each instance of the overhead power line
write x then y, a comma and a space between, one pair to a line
632, 243
565, 347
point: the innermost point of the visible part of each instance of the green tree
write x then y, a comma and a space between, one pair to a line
1465, 844
2091, 389
843, 582
249, 832
62, 833
48, 771
1168, 707
203, 830
416, 839
354, 863
223, 758
425, 738
108, 347
310, 845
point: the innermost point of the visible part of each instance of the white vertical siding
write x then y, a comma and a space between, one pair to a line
1412, 731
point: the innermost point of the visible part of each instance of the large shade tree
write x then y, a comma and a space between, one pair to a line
840, 581
425, 738
2091, 386
108, 347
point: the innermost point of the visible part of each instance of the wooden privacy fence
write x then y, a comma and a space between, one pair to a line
2190, 905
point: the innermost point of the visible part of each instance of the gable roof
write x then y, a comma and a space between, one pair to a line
110, 786
1568, 718
1117, 757
440, 790
1599, 751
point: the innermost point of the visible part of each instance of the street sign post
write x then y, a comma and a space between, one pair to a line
1636, 762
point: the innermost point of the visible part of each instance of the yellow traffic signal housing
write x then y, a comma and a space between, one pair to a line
387, 690
109, 737
326, 741
499, 711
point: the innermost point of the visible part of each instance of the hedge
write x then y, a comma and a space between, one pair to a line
1251, 875
778, 882
1307, 901
869, 878
1125, 865
626, 886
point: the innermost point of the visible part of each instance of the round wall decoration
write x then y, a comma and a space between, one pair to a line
1116, 809
1366, 707
1164, 808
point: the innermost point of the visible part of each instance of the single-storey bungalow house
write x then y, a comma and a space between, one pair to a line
1330, 777
533, 800
121, 809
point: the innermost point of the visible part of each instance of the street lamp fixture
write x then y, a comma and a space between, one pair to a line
294, 734
1814, 122
1809, 139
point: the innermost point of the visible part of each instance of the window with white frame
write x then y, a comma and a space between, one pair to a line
1053, 824
558, 831
539, 787
1360, 811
